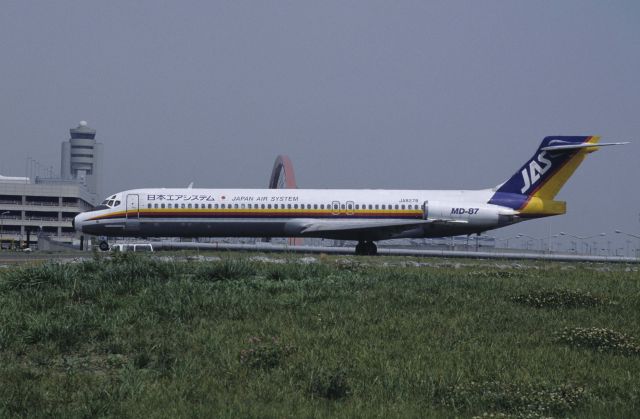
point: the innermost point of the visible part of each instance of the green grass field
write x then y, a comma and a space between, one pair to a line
319, 337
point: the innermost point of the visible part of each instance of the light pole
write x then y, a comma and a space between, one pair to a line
555, 244
2, 225
540, 239
582, 239
634, 236
506, 240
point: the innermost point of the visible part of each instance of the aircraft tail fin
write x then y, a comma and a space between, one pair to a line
543, 175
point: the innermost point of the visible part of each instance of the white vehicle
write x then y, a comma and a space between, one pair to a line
365, 215
130, 247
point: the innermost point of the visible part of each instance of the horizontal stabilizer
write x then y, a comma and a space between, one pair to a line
569, 147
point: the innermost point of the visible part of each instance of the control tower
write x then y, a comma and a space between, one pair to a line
82, 159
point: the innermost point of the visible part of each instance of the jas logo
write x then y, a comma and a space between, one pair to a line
537, 167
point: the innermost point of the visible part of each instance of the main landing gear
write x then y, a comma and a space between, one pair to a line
366, 248
103, 245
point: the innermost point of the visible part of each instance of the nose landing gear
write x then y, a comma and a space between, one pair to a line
366, 248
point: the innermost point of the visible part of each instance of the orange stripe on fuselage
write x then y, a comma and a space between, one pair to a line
233, 212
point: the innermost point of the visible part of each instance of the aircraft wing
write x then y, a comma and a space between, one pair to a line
360, 229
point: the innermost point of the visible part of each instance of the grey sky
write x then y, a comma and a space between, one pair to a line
424, 95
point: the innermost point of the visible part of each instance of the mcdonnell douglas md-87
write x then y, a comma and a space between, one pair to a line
364, 215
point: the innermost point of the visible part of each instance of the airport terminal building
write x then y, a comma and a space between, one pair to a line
47, 205
27, 209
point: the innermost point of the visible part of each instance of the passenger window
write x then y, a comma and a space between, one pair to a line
342, 206
321, 206
402, 207
182, 205
161, 205
148, 205
262, 206
335, 206
357, 206
209, 205
396, 206
295, 206
242, 206
376, 206
268, 206
188, 205
155, 205
315, 206
349, 206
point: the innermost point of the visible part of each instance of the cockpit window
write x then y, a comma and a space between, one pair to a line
110, 202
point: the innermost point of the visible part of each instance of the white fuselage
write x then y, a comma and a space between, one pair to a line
368, 214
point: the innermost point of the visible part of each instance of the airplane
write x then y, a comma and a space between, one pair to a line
362, 215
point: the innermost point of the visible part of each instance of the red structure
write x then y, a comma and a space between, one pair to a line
283, 177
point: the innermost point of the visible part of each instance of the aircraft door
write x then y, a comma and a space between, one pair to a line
350, 207
335, 207
133, 207
133, 212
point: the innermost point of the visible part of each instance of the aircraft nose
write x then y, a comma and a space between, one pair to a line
76, 223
